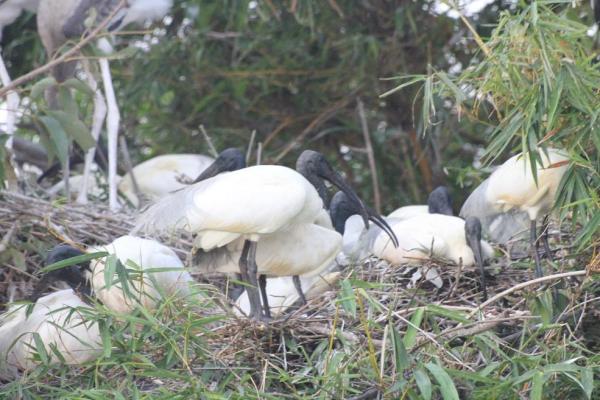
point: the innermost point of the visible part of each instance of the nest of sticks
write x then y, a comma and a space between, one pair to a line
29, 226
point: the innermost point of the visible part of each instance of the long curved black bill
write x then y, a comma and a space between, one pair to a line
382, 223
474, 241
213, 169
338, 181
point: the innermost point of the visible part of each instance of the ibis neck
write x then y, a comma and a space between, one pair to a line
319, 184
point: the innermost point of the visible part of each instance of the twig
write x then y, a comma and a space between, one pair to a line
7, 237
315, 123
259, 153
211, 146
129, 167
71, 52
370, 154
524, 285
250, 146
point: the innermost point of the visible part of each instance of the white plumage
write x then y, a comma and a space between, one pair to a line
61, 321
147, 283
96, 187
273, 204
247, 203
408, 212
436, 234
303, 249
511, 188
163, 174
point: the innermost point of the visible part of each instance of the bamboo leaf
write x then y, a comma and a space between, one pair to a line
447, 388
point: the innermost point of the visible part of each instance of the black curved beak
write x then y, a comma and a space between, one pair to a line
382, 223
474, 242
332, 176
213, 169
366, 213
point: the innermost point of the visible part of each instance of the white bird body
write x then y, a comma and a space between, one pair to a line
96, 187
428, 234
282, 293
510, 192
163, 174
61, 322
303, 249
408, 211
146, 286
246, 203
146, 10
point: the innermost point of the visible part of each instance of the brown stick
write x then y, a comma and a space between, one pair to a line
321, 118
71, 52
129, 167
370, 154
524, 285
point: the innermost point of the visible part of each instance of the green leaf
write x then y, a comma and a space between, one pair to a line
400, 354
106, 337
110, 266
58, 138
40, 87
587, 381
67, 102
40, 348
423, 383
411, 332
75, 129
73, 261
348, 301
537, 386
447, 388
78, 85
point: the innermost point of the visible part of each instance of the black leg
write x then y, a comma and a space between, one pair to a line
262, 282
298, 286
235, 290
547, 251
248, 271
533, 243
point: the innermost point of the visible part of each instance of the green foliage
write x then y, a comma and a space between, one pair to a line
536, 83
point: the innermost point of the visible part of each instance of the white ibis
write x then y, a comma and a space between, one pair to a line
512, 189
9, 12
61, 319
153, 270
96, 189
63, 20
438, 235
438, 202
162, 175
248, 204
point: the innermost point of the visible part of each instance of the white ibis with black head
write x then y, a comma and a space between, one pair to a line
512, 189
228, 204
439, 201
161, 175
62, 20
419, 237
154, 270
61, 319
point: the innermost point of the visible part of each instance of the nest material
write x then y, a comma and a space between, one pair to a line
30, 226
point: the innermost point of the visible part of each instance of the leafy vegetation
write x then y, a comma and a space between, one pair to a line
294, 72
